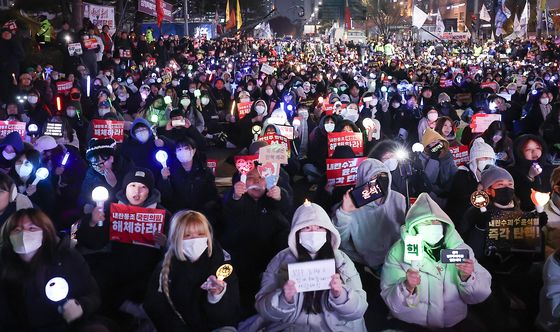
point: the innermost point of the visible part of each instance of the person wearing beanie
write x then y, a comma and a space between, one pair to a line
552, 209
432, 294
179, 127
437, 164
466, 180
129, 278
340, 308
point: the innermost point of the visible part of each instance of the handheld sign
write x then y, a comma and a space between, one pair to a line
453, 256
108, 129
366, 193
343, 171
481, 122
480, 200
267, 69
135, 225
353, 140
274, 154
244, 165
244, 108
7, 127
514, 231
313, 275
413, 252
75, 49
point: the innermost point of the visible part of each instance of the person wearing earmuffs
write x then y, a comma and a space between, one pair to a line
10, 200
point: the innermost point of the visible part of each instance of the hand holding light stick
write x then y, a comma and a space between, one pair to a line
41, 174
100, 195
56, 290
162, 156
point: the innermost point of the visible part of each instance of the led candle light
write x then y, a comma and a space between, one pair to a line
296, 122
320, 100
384, 90
417, 147
59, 103
41, 174
232, 107
154, 118
57, 289
256, 131
100, 195
368, 123
162, 156
539, 199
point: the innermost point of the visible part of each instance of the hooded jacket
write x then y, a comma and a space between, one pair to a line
344, 313
550, 296
368, 233
441, 299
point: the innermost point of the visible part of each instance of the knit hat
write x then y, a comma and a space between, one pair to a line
44, 143
175, 113
443, 97
479, 149
493, 174
100, 146
140, 175
431, 135
555, 177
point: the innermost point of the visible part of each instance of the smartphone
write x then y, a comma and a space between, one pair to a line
453, 256
167, 100
366, 193
178, 123
367, 99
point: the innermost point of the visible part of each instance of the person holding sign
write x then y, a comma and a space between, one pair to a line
334, 299
195, 287
32, 254
425, 291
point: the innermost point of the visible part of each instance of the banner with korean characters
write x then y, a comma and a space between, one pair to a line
353, 140
460, 154
514, 230
244, 108
135, 225
108, 129
273, 139
7, 127
343, 172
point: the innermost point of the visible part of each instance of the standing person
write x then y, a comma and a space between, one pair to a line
107, 42
12, 53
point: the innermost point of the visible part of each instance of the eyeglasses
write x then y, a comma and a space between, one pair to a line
98, 164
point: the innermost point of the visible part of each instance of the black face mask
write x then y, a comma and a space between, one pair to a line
383, 181
435, 151
504, 196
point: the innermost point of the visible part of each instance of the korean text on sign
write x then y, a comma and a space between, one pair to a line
7, 127
514, 231
353, 140
135, 225
108, 129
343, 172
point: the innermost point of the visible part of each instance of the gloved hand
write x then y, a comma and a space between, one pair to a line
72, 310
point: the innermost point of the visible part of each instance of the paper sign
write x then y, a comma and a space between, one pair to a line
267, 69
353, 140
136, 225
453, 256
513, 230
328, 109
273, 139
286, 131
343, 172
7, 127
273, 154
108, 129
445, 83
244, 109
270, 172
100, 16
491, 85
212, 164
413, 251
75, 49
53, 129
90, 43
460, 154
481, 122
313, 275
63, 86
245, 164
125, 53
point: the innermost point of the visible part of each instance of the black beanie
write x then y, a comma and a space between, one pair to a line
140, 175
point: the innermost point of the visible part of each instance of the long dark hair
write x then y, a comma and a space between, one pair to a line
312, 300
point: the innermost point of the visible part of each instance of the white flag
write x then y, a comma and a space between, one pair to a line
418, 17
484, 14
524, 20
516, 25
506, 10
440, 27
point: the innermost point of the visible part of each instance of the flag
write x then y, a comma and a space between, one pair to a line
484, 14
502, 15
418, 17
524, 20
159, 12
239, 20
230, 17
516, 25
543, 5
440, 27
347, 18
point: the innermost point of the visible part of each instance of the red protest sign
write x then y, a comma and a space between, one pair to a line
445, 83
7, 127
328, 109
244, 109
353, 140
108, 129
212, 164
343, 172
273, 139
90, 43
245, 164
460, 154
491, 85
480, 122
135, 225
63, 86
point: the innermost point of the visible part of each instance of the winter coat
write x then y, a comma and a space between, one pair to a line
441, 299
552, 228
368, 233
548, 318
464, 183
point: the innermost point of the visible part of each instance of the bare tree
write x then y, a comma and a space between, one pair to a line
383, 14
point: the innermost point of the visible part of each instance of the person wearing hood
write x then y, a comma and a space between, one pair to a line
318, 139
552, 209
427, 292
179, 128
404, 121
191, 113
437, 164
429, 120
537, 113
259, 111
386, 152
531, 169
288, 103
10, 200
466, 180
141, 146
445, 108
340, 308
76, 120
377, 111
12, 146
496, 136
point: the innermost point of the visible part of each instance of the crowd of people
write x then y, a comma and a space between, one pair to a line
442, 125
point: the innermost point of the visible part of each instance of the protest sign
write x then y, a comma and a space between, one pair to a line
245, 164
108, 129
353, 140
267, 69
286, 131
274, 154
244, 109
212, 164
460, 154
453, 256
100, 16
7, 127
492, 85
63, 86
514, 230
342, 172
313, 275
328, 109
480, 122
135, 225
75, 49
91, 43
53, 129
125, 53
445, 83
413, 250
273, 139
149, 7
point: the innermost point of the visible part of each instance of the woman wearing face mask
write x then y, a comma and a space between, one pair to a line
497, 137
375, 109
256, 116
420, 292
340, 308
317, 155
404, 122
37, 110
428, 121
539, 111
32, 254
184, 293
269, 95
11, 146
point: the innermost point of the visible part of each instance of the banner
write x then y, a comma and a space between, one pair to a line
460, 154
75, 49
343, 172
91, 43
353, 140
135, 225
149, 7
267, 69
108, 129
481, 122
455, 36
244, 109
100, 16
273, 139
212, 164
491, 85
514, 231
286, 131
125, 53
445, 83
54, 129
7, 127
63, 86
274, 154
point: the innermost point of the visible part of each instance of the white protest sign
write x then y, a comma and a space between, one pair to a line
267, 69
413, 252
481, 122
100, 16
313, 275
273, 154
75, 49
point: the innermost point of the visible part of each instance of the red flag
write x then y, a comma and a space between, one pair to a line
347, 19
231, 23
159, 12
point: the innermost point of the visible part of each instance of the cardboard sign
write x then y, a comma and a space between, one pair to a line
90, 44
273, 139
460, 154
108, 129
212, 164
343, 172
63, 86
313, 275
270, 172
267, 69
514, 231
244, 109
274, 154
135, 225
453, 256
413, 251
75, 49
481, 122
286, 131
125, 53
7, 127
54, 129
353, 140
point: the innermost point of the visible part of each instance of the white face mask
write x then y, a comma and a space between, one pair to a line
24, 170
33, 99
544, 101
244, 100
194, 248
142, 136
129, 81
431, 234
268, 92
280, 87
205, 101
432, 117
71, 113
374, 102
312, 241
174, 83
26, 242
481, 165
511, 92
123, 97
260, 109
103, 111
185, 102
184, 156
391, 164
8, 155
250, 88
329, 127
